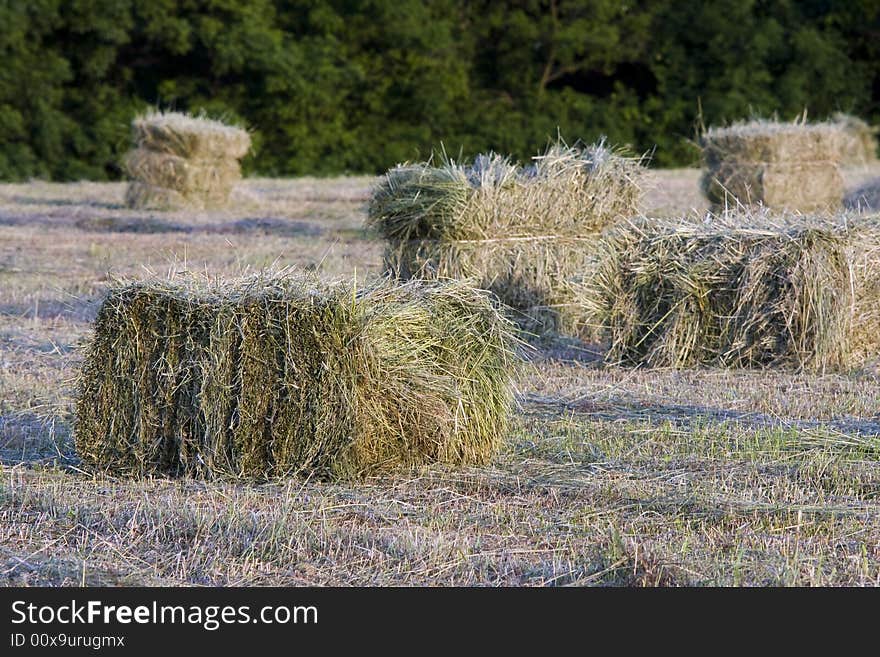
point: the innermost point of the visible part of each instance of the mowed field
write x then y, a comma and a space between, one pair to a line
609, 476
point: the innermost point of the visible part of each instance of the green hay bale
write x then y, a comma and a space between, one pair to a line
279, 375
189, 137
785, 166
742, 291
569, 191
518, 232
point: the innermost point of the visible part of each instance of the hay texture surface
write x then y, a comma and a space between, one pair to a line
183, 161
743, 291
783, 166
279, 375
519, 232
860, 142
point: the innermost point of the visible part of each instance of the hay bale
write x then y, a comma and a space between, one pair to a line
181, 161
145, 196
278, 375
531, 276
864, 198
521, 233
188, 177
785, 166
741, 291
860, 144
189, 137
865, 266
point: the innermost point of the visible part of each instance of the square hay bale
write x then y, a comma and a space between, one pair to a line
531, 276
181, 161
280, 375
741, 291
189, 137
784, 166
188, 177
520, 232
860, 144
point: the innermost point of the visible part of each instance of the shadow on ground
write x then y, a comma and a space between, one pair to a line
46, 309
66, 202
27, 438
152, 224
689, 416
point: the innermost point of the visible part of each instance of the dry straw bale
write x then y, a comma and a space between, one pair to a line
531, 276
865, 263
183, 161
181, 174
190, 137
745, 290
279, 374
786, 166
860, 143
519, 232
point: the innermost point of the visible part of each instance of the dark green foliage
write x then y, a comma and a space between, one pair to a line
332, 86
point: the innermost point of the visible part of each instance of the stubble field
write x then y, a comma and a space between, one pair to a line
609, 476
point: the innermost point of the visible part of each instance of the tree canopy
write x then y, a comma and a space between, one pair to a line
334, 86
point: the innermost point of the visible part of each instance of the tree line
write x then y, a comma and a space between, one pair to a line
355, 86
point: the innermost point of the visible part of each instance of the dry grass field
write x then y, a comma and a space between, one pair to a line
609, 477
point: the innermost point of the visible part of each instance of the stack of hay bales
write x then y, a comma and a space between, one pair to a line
522, 233
181, 161
860, 144
278, 375
742, 291
783, 166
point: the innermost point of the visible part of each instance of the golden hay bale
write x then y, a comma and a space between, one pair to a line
149, 197
279, 374
167, 182
744, 290
144, 196
786, 166
531, 276
521, 233
181, 161
191, 137
860, 144
188, 177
